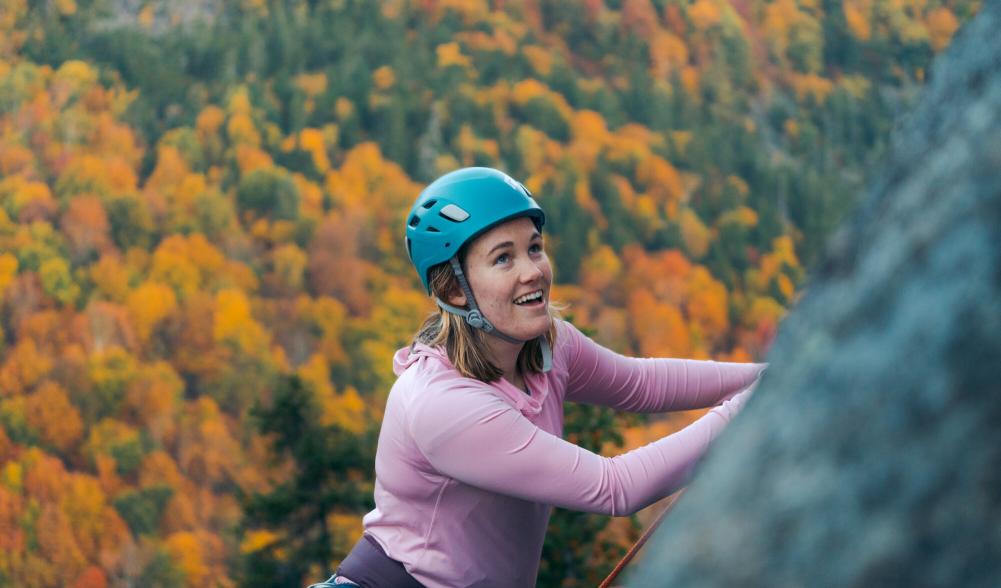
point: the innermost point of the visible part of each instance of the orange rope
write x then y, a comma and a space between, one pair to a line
639, 543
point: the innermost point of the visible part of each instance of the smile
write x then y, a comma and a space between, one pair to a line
530, 299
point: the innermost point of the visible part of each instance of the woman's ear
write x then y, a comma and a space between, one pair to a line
456, 297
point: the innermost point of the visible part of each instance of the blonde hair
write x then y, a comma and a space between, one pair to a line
466, 346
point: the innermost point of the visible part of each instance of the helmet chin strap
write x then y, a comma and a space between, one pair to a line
474, 318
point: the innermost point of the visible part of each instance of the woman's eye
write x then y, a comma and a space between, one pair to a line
535, 248
501, 258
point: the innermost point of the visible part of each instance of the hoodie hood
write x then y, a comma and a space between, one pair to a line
529, 405
407, 356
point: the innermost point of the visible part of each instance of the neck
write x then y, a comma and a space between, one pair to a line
505, 356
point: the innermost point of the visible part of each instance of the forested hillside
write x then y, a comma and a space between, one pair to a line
202, 277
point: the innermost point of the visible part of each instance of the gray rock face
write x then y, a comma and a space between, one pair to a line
871, 452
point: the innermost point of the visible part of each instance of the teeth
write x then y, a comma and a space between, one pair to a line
533, 296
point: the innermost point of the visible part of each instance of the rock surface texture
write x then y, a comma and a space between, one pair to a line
871, 452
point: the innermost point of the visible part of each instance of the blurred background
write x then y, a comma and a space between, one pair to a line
202, 277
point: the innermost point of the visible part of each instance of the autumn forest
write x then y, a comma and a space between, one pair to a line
202, 277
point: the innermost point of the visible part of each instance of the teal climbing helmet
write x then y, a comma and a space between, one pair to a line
458, 207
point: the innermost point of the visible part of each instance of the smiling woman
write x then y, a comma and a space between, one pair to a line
470, 457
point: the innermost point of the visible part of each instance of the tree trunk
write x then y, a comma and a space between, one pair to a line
871, 452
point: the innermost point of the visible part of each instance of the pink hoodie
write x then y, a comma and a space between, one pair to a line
466, 471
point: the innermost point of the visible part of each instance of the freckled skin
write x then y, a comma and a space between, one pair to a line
504, 263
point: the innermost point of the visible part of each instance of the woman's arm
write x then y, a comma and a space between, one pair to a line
473, 436
600, 376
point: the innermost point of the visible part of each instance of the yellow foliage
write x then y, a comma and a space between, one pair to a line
233, 322
586, 201
290, 265
110, 277
855, 85
257, 540
66, 7
107, 434
704, 14
346, 410
811, 85
668, 53
185, 549
343, 108
15, 159
170, 169
88, 173
147, 16
764, 312
539, 58
857, 15
738, 184
532, 146
600, 269
690, 81
149, 304
471, 11
313, 141
241, 129
526, 90
696, 236
12, 476
681, 139
77, 74
791, 128
707, 304
450, 54
312, 85
383, 78
250, 157
741, 215
209, 120
239, 102
662, 180
8, 270
171, 266
24, 367
589, 126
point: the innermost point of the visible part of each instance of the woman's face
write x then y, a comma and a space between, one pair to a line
509, 273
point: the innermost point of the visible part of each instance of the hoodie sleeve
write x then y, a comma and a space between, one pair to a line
471, 435
597, 375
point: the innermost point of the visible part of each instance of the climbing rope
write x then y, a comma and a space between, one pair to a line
642, 540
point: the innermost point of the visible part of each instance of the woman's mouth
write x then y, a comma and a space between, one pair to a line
535, 298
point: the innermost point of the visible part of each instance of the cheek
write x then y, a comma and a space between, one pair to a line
547, 269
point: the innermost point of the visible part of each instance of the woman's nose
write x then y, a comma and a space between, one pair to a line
531, 271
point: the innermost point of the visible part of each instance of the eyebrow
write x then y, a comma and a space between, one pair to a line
535, 235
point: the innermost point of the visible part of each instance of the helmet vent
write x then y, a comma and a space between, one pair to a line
414, 221
427, 205
432, 230
453, 213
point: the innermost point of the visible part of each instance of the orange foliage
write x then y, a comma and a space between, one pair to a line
49, 411
450, 54
639, 17
24, 367
92, 577
86, 227
668, 53
658, 328
704, 14
942, 23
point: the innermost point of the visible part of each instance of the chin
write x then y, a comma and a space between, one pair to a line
537, 331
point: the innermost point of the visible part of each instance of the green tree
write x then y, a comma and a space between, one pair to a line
334, 471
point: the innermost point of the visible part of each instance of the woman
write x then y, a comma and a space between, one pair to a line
470, 457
